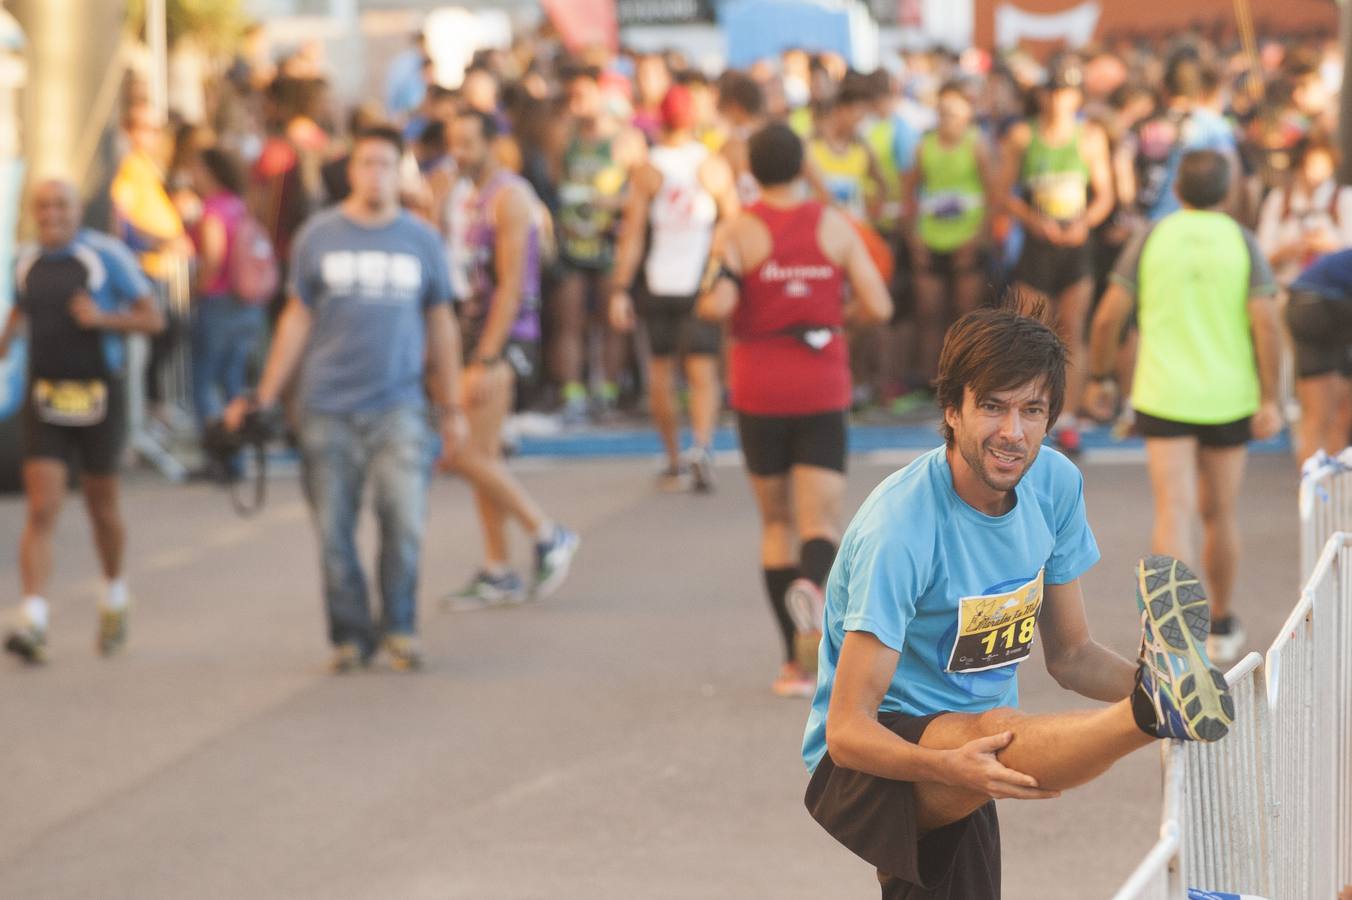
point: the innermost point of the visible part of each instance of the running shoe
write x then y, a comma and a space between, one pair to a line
1226, 641
701, 463
485, 590
806, 606
1187, 696
349, 657
112, 630
673, 479
794, 681
1068, 441
553, 558
403, 652
575, 413
28, 643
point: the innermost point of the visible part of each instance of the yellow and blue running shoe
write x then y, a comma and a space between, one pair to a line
1179, 693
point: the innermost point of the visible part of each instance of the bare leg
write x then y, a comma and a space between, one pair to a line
702, 372
481, 464
968, 285
110, 535
662, 403
1061, 750
1222, 472
817, 497
570, 328
778, 547
1340, 421
1323, 414
44, 482
1173, 480
1072, 311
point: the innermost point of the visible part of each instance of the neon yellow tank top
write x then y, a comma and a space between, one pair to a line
952, 200
844, 173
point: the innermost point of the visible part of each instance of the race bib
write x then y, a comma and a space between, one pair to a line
996, 630
70, 403
1062, 196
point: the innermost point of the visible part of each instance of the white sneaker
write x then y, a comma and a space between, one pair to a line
1226, 641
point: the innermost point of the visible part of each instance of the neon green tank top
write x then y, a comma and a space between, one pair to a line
952, 201
1056, 178
1196, 362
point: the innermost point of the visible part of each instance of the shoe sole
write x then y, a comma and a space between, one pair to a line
1176, 612
29, 653
702, 477
801, 603
464, 603
556, 578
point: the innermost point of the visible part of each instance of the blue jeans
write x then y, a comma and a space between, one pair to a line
224, 334
339, 454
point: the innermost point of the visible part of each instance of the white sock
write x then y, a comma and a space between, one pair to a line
35, 612
545, 533
116, 595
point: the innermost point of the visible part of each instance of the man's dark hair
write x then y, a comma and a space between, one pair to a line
387, 133
776, 155
1183, 75
954, 86
855, 88
992, 350
226, 168
578, 72
741, 90
1203, 179
488, 126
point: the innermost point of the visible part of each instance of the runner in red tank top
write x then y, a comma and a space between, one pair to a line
778, 272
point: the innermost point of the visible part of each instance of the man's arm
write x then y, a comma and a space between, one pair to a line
1095, 149
288, 343
1011, 153
143, 316
856, 740
1074, 658
629, 246
868, 293
1105, 336
13, 325
443, 380
1266, 328
719, 295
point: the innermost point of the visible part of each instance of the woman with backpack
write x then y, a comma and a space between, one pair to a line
236, 276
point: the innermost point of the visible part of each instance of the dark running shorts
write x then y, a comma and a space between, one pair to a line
1051, 269
673, 327
772, 445
875, 818
1228, 434
1321, 328
94, 449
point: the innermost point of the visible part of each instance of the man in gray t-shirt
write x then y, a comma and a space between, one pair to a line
368, 323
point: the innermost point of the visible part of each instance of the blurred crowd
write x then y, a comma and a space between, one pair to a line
926, 153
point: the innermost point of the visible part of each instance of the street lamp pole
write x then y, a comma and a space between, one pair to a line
157, 37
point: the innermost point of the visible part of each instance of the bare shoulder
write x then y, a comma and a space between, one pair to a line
836, 234
1019, 135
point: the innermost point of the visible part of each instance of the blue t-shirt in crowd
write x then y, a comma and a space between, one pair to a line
368, 290
101, 265
956, 592
1202, 129
1329, 276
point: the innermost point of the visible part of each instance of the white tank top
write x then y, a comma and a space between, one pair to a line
680, 222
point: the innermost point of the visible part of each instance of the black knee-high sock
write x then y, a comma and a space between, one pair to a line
777, 583
815, 558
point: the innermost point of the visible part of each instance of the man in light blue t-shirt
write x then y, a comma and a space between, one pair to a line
369, 325
948, 572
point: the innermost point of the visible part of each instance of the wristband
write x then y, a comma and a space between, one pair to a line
487, 361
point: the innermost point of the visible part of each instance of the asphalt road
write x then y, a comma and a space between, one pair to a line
618, 741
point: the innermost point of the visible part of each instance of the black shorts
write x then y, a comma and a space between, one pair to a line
772, 445
876, 819
1321, 328
672, 326
94, 449
1051, 269
1228, 434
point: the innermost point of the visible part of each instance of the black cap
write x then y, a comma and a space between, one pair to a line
1064, 72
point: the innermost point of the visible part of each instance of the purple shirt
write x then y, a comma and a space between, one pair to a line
229, 210
481, 241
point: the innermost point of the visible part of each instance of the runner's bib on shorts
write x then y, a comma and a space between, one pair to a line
72, 403
996, 630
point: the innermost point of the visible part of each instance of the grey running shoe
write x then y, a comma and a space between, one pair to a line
112, 630
701, 463
349, 657
486, 590
28, 643
553, 559
403, 652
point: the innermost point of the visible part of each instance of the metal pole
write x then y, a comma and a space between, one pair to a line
157, 37
1345, 111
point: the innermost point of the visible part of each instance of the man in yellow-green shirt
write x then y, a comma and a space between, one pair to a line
1206, 374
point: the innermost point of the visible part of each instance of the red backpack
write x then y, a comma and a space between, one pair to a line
253, 266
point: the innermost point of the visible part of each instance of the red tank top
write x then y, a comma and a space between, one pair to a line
773, 371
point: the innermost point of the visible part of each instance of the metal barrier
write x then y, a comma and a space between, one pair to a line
1225, 795
1310, 694
1268, 810
1325, 504
157, 440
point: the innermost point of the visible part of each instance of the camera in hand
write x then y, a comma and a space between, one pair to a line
225, 450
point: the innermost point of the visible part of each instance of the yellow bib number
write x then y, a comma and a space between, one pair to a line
70, 403
996, 630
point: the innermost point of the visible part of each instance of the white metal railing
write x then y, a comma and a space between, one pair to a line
1325, 504
1268, 810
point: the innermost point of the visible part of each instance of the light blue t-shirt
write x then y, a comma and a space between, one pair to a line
917, 559
1202, 129
368, 290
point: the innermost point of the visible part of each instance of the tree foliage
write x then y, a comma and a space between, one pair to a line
214, 24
